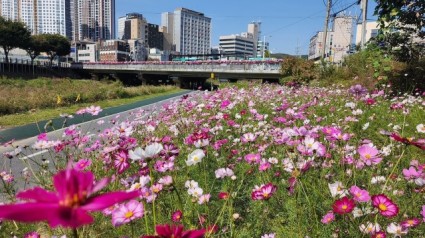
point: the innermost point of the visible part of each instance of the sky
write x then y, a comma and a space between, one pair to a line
287, 24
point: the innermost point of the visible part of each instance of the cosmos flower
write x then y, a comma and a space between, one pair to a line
369, 155
328, 218
385, 206
172, 231
396, 229
343, 205
177, 216
195, 157
264, 192
411, 222
127, 212
359, 195
69, 206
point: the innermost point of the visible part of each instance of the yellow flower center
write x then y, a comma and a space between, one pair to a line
266, 195
368, 156
128, 214
195, 158
382, 207
344, 207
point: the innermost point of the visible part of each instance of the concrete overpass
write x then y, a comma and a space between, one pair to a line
187, 72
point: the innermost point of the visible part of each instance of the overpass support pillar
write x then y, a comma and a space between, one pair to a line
142, 79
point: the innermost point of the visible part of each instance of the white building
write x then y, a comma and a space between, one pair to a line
372, 30
338, 41
9, 9
191, 31
238, 46
88, 53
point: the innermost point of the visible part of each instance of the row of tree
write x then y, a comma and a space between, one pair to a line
16, 35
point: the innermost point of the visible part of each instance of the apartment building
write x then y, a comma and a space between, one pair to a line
190, 31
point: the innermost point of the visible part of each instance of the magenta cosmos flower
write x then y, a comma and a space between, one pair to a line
369, 155
127, 212
343, 205
69, 206
385, 206
264, 192
171, 231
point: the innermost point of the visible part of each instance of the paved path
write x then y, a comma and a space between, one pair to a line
33, 129
91, 128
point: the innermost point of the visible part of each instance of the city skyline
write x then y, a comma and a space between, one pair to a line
288, 26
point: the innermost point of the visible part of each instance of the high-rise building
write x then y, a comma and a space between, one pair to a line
75, 19
94, 20
155, 37
9, 9
133, 26
190, 30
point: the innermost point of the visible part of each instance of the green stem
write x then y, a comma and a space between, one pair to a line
392, 171
75, 233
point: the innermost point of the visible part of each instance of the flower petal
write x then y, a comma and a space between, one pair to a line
106, 200
38, 194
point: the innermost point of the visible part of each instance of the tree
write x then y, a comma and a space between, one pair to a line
54, 45
34, 47
401, 14
400, 22
12, 35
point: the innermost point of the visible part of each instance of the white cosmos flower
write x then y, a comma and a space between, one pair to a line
365, 126
195, 157
135, 154
420, 128
370, 228
396, 229
152, 150
337, 189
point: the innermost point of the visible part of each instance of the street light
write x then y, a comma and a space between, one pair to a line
264, 46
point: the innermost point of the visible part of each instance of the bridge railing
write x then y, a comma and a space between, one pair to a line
223, 67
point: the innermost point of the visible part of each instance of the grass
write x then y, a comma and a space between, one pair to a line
48, 113
28, 95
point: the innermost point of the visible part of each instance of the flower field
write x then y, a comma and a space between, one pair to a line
254, 161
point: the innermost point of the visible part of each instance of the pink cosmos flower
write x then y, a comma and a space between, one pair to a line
359, 195
412, 173
411, 222
369, 155
423, 212
264, 192
343, 205
93, 110
385, 206
252, 158
69, 206
379, 234
170, 231
32, 234
328, 218
127, 212
121, 162
225, 103
177, 216
82, 164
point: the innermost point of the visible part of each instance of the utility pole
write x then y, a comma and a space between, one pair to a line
364, 21
325, 30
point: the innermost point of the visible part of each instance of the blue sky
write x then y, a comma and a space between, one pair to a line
286, 23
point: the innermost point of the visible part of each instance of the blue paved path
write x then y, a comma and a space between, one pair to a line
33, 129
